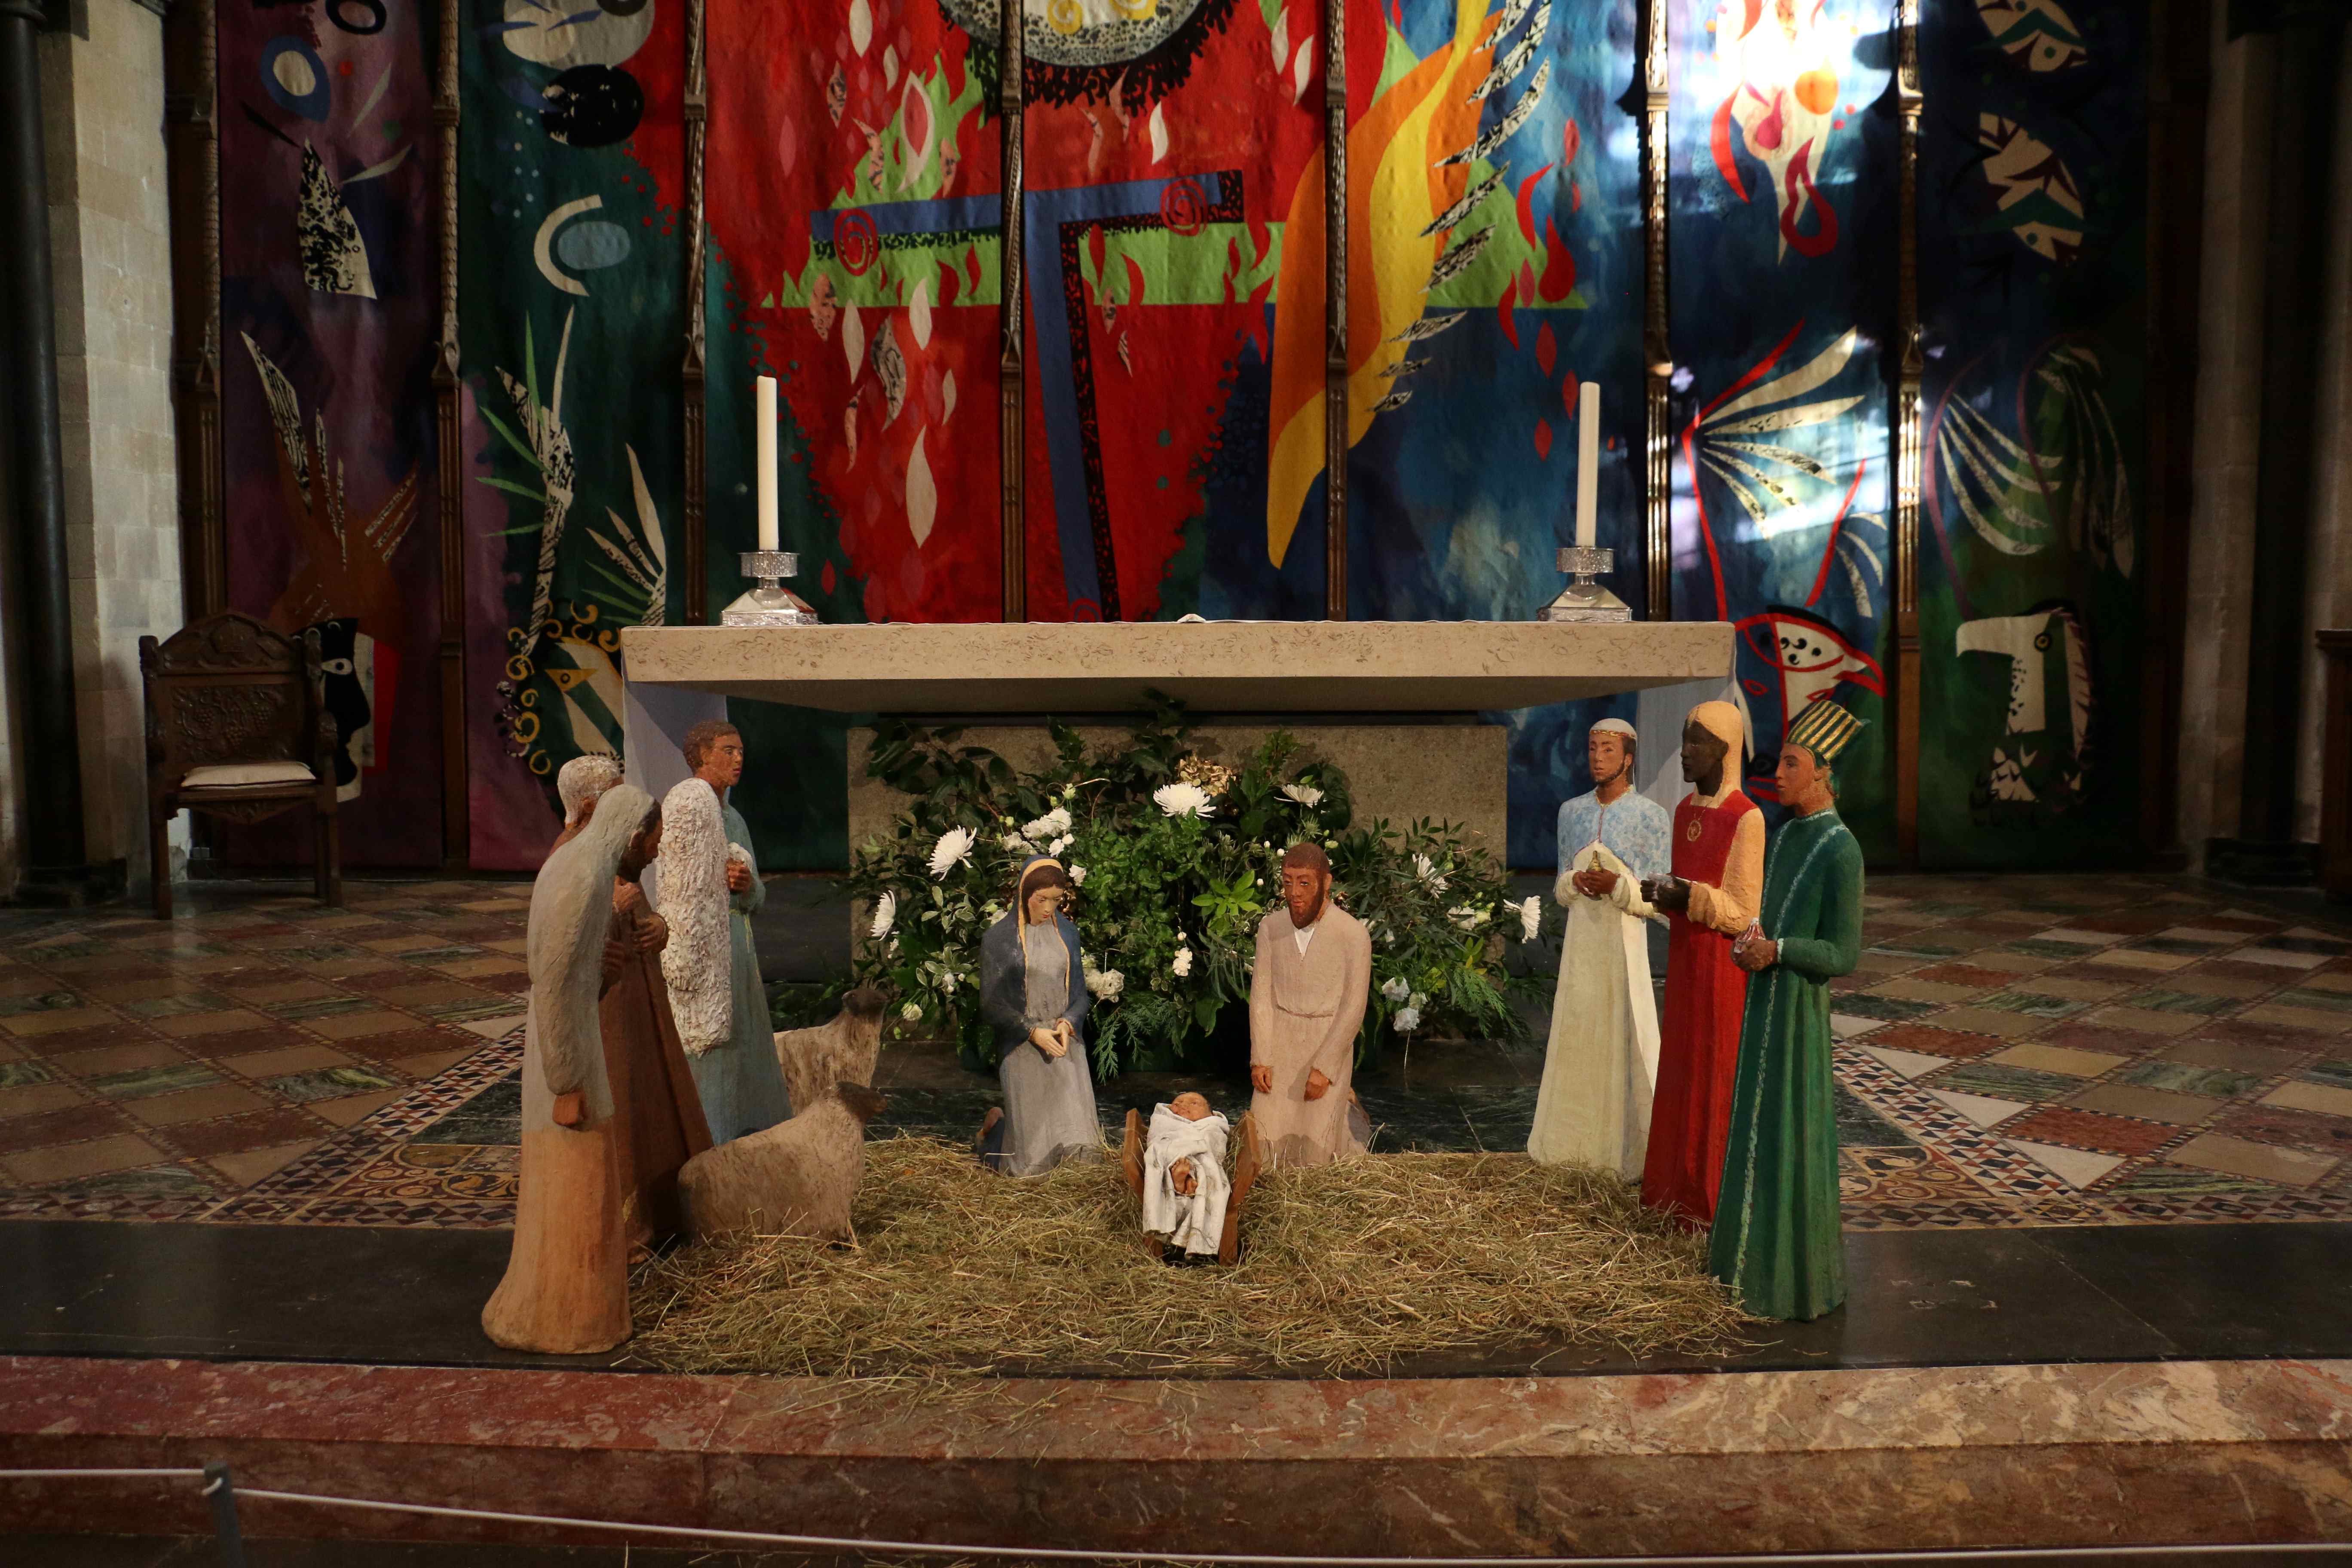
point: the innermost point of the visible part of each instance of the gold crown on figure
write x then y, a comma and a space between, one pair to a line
1823, 729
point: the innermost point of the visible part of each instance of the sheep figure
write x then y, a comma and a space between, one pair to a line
799, 1177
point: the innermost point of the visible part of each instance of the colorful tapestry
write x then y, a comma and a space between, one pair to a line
1781, 236
2032, 205
328, 313
1173, 154
572, 312
1495, 267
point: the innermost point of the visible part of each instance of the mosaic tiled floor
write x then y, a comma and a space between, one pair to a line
231, 1064
2014, 1051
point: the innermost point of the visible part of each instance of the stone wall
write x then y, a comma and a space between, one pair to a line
2328, 601
102, 102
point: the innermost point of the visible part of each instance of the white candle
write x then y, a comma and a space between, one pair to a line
1588, 463
763, 416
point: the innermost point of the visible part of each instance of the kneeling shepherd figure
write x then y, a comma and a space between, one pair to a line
1777, 1241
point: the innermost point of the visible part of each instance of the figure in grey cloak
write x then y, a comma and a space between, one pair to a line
1033, 996
709, 891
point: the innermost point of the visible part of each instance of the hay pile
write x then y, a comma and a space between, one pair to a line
1344, 1270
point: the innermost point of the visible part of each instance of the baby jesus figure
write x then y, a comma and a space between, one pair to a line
1184, 1183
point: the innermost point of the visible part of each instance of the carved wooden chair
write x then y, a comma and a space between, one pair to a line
237, 727
1246, 1162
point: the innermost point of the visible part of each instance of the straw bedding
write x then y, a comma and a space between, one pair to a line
1344, 1270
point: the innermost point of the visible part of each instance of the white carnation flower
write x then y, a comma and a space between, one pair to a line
1530, 917
912, 1011
1407, 1020
1077, 876
1058, 845
1053, 824
1417, 1000
1395, 988
955, 844
947, 983
886, 915
1105, 984
1304, 794
1426, 870
1182, 964
1181, 800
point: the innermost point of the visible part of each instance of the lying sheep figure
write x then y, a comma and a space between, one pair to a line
799, 1177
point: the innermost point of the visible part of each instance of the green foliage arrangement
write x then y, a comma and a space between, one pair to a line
1176, 858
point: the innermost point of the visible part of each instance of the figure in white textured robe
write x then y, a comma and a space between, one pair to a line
1307, 992
709, 888
1185, 1188
1601, 1064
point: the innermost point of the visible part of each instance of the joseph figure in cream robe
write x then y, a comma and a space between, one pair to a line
1601, 1064
1307, 992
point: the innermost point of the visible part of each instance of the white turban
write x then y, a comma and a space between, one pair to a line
583, 779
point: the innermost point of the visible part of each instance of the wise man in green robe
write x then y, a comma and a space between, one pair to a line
1777, 1242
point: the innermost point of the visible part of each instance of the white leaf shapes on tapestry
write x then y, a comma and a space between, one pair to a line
640, 559
334, 261
922, 493
696, 963
946, 397
890, 369
550, 448
1280, 39
2035, 195
919, 314
861, 25
576, 34
853, 338
1159, 126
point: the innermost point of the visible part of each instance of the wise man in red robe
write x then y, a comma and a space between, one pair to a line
1710, 898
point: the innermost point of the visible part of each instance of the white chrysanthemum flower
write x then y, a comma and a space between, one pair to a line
955, 844
1426, 870
1105, 984
1417, 1000
1395, 988
1077, 876
1183, 963
912, 1011
886, 915
1464, 918
1407, 1020
1304, 794
1058, 845
1015, 845
1530, 917
1181, 800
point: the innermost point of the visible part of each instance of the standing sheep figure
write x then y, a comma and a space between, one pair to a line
800, 1177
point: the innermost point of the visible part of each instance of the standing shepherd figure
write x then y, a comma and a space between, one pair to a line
1777, 1241
566, 1289
709, 891
1032, 995
580, 784
1601, 1064
1313, 976
656, 1106
1711, 897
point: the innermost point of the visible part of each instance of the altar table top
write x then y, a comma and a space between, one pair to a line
1215, 667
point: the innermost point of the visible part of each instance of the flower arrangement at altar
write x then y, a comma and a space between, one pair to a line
1175, 857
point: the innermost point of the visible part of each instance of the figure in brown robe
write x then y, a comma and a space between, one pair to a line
1307, 994
657, 1114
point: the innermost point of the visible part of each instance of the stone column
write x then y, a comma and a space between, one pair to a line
2329, 600
102, 112
2220, 596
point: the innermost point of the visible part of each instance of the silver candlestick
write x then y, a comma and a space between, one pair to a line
771, 603
1584, 599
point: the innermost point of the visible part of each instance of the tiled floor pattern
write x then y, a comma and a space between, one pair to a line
2014, 1051
2094, 1051
219, 1065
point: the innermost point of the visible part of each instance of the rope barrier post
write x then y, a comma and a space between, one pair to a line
223, 1495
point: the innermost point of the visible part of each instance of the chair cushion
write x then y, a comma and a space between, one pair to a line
233, 775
